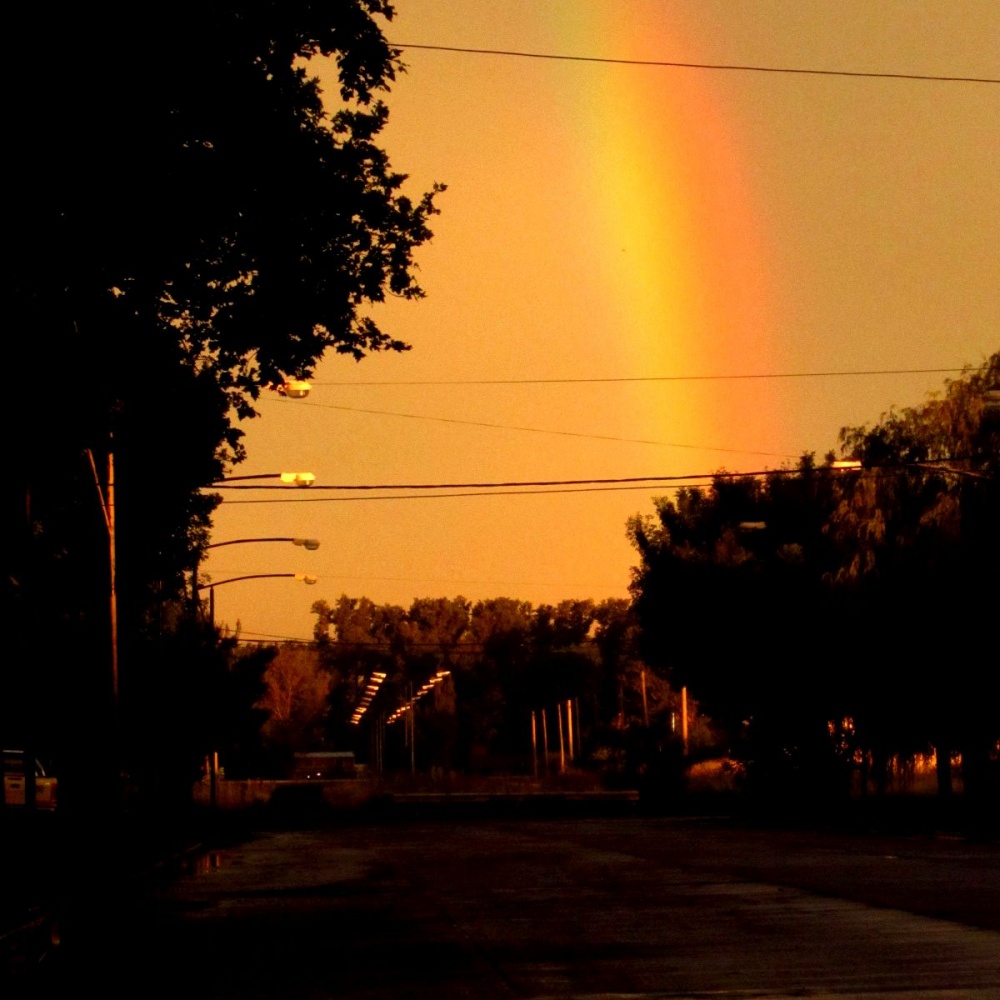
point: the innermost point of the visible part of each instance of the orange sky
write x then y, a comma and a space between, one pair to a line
622, 222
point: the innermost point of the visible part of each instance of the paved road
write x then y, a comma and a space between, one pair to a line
582, 908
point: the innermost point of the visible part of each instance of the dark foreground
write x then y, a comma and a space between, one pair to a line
584, 907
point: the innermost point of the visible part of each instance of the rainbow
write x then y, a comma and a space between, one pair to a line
687, 260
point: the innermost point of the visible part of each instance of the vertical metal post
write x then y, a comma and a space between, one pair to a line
413, 734
545, 741
569, 729
562, 745
534, 745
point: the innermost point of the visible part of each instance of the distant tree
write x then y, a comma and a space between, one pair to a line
920, 541
495, 678
733, 600
238, 719
565, 662
295, 699
356, 638
796, 606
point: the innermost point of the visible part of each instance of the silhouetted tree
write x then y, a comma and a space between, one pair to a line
733, 600
920, 541
824, 615
194, 221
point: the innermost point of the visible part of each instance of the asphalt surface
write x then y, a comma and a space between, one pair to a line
543, 908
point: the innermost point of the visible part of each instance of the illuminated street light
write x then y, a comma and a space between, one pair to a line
287, 478
301, 577
295, 388
298, 478
311, 544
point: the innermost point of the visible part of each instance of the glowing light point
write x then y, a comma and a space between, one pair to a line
298, 478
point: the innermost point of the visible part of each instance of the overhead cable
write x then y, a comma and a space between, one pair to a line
673, 64
649, 378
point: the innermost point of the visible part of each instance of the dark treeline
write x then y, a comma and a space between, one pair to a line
195, 224
476, 674
837, 621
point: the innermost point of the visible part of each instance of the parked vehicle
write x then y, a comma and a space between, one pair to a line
19, 774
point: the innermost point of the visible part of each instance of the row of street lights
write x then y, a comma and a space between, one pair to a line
293, 389
310, 544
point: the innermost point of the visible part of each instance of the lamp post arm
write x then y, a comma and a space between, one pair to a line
234, 479
250, 576
210, 587
287, 479
309, 543
239, 541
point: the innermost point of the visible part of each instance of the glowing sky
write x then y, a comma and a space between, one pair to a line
611, 221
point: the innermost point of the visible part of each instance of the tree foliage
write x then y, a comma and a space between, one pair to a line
194, 221
295, 699
502, 659
826, 616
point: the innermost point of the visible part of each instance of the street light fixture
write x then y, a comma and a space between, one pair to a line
295, 388
298, 478
287, 478
306, 578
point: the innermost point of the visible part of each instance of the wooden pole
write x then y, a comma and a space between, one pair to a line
684, 719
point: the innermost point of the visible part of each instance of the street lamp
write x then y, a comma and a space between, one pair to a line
306, 578
311, 544
287, 478
295, 388
307, 543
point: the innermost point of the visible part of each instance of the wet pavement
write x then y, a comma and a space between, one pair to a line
583, 908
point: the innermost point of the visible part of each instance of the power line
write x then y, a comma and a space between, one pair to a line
549, 486
671, 64
538, 430
440, 496
500, 484
650, 378
609, 380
